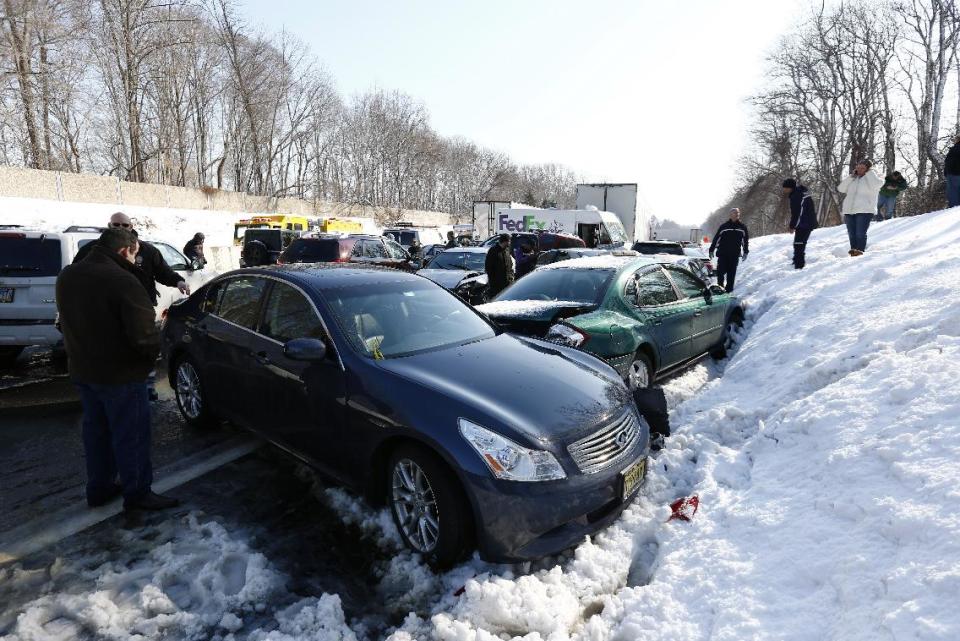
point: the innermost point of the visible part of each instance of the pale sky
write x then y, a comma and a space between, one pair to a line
640, 91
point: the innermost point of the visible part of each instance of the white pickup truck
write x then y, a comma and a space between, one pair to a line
31, 260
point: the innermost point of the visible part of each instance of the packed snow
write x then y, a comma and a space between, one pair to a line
603, 261
825, 453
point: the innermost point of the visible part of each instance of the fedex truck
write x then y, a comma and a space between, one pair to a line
597, 228
485, 216
621, 199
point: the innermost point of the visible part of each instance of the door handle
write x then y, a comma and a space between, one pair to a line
658, 322
698, 313
261, 357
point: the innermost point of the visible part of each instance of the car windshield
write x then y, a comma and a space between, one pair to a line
469, 261
29, 257
171, 256
658, 248
574, 285
404, 317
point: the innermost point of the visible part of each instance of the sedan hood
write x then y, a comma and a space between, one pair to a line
548, 393
534, 310
448, 278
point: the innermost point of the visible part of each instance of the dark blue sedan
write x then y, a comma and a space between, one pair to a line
391, 385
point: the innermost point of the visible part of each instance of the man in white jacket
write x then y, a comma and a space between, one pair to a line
862, 187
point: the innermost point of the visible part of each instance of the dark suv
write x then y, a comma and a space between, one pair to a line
356, 248
264, 246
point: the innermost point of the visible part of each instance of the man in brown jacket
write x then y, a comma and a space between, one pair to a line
112, 343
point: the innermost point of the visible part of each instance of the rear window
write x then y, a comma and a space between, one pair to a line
658, 248
577, 285
29, 257
304, 250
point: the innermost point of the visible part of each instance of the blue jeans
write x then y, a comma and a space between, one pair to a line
886, 206
953, 190
116, 439
857, 225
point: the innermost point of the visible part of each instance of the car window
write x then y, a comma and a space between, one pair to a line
357, 250
240, 301
171, 256
658, 248
212, 298
690, 286
289, 315
545, 258
654, 288
587, 286
395, 250
374, 249
29, 257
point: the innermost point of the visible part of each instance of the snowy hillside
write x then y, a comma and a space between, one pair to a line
825, 453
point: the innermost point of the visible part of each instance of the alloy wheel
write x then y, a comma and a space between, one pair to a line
639, 376
415, 505
188, 390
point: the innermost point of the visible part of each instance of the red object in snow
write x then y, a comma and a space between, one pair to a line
684, 508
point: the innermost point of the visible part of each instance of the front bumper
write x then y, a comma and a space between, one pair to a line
528, 521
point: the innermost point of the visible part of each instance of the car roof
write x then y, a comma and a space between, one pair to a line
672, 243
467, 250
318, 276
605, 261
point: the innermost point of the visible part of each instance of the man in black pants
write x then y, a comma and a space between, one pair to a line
112, 343
731, 239
803, 219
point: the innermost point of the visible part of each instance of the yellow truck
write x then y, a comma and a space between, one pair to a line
277, 221
300, 224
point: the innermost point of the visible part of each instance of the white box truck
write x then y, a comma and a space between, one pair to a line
620, 199
485, 217
597, 228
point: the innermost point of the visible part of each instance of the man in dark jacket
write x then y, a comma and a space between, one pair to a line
951, 170
499, 266
893, 184
731, 239
451, 241
151, 268
112, 343
193, 250
803, 219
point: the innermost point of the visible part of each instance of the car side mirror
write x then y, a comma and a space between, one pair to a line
707, 295
305, 349
195, 264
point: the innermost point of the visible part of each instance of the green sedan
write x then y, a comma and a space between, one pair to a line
644, 317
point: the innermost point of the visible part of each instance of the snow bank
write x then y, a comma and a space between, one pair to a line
825, 459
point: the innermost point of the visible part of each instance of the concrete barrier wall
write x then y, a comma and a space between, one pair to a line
18, 182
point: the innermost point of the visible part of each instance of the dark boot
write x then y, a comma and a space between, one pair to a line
150, 501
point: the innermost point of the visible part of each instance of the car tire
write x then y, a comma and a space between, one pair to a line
640, 372
428, 507
9, 354
191, 394
719, 352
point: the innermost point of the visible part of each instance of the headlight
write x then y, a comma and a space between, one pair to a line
566, 335
510, 461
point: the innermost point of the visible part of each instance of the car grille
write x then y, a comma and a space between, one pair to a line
604, 448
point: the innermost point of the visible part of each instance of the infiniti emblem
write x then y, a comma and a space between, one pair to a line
622, 439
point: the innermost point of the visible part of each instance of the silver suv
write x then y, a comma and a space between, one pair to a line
30, 260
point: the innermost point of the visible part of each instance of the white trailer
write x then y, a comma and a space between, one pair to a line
621, 199
485, 216
596, 228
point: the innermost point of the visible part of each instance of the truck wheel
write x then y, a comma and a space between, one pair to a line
428, 506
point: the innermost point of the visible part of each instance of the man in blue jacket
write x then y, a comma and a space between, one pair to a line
803, 219
731, 239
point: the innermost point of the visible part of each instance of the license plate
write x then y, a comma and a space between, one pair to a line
631, 477
6, 294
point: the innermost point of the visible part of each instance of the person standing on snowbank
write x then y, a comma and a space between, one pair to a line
803, 219
731, 239
951, 171
887, 201
862, 189
112, 343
